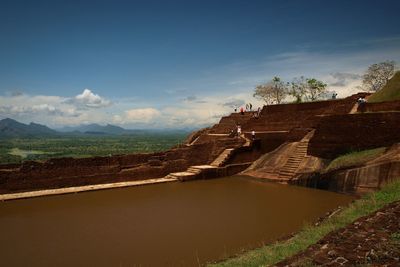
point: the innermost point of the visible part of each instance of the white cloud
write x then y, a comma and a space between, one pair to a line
203, 101
141, 115
50, 110
87, 99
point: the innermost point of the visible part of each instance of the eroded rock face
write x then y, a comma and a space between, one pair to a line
357, 179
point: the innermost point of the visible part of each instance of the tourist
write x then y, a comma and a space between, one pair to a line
361, 104
247, 107
253, 135
334, 95
250, 106
241, 110
239, 131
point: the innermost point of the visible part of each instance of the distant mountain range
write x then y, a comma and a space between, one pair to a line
98, 129
12, 128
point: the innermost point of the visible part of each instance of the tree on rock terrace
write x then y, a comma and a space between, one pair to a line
307, 89
302, 89
274, 91
377, 75
298, 89
314, 89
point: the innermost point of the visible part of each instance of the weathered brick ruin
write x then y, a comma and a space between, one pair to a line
292, 141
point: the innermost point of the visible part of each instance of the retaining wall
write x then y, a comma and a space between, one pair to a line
340, 134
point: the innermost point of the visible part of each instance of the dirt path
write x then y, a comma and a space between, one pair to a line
373, 240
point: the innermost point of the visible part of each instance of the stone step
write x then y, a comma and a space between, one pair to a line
292, 163
294, 160
221, 159
289, 174
290, 167
286, 173
182, 176
194, 170
287, 170
285, 177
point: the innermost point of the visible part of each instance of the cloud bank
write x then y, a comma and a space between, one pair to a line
203, 101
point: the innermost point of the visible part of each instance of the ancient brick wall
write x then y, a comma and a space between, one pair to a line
63, 172
286, 117
381, 106
340, 134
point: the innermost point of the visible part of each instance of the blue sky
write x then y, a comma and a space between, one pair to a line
156, 64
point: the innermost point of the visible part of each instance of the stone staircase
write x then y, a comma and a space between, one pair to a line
288, 164
191, 173
223, 157
194, 172
293, 162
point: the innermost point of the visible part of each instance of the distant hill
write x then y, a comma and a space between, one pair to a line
13, 128
390, 92
97, 129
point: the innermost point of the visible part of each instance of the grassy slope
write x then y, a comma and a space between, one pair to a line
309, 235
354, 158
391, 91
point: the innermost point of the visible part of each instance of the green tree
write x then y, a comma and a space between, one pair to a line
306, 89
377, 75
314, 89
297, 88
274, 91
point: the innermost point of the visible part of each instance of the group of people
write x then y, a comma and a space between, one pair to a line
249, 107
257, 113
239, 132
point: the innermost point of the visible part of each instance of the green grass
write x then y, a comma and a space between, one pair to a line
273, 253
354, 158
390, 92
16, 150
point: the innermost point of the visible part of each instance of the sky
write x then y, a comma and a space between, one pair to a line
178, 64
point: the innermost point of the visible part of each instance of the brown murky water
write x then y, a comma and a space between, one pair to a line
175, 224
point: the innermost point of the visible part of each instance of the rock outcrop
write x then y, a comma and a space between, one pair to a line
368, 176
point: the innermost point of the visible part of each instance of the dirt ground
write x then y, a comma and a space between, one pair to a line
373, 240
